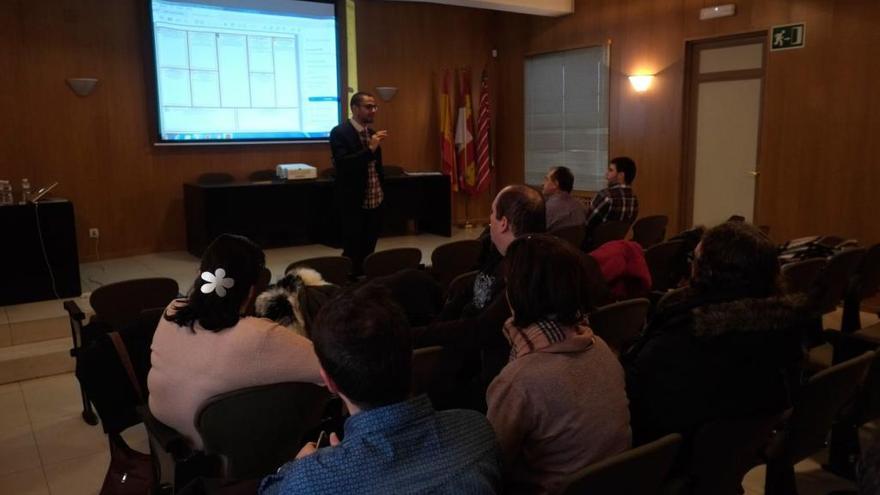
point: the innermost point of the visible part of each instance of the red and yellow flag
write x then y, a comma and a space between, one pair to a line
447, 145
464, 134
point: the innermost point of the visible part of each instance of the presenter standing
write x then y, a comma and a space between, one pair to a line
357, 158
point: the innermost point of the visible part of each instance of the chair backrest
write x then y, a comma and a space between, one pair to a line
334, 269
574, 234
833, 280
815, 408
637, 471
215, 178
800, 276
664, 262
257, 429
391, 260
868, 273
614, 230
426, 365
262, 175
619, 324
121, 303
651, 230
454, 258
724, 450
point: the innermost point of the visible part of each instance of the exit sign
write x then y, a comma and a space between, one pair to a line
788, 37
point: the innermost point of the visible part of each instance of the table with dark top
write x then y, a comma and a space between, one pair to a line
286, 213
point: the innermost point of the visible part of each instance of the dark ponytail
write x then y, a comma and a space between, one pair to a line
243, 262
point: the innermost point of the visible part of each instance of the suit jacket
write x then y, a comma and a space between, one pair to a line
350, 159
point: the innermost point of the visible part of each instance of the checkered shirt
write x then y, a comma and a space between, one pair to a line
614, 203
373, 194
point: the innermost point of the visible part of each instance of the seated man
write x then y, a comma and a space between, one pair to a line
563, 210
617, 202
391, 443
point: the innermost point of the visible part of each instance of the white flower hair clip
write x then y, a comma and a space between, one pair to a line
217, 282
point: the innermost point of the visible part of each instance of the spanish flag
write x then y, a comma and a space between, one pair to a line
447, 146
464, 134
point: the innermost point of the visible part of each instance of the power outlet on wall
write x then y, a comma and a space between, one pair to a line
94, 233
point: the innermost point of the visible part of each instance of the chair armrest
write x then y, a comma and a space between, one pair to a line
166, 437
73, 311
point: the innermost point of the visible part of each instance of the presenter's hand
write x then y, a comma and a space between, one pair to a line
376, 139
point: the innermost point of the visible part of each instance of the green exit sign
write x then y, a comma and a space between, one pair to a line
788, 36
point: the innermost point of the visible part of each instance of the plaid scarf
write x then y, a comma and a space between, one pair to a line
536, 336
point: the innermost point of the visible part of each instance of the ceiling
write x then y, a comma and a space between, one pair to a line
550, 8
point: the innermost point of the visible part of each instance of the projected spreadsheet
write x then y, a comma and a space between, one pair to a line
234, 74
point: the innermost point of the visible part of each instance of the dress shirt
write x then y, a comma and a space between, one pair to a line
373, 194
616, 203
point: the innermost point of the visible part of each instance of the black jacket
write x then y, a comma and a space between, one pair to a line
350, 159
706, 358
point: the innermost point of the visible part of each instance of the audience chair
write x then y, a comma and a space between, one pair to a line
833, 280
393, 170
214, 178
116, 306
426, 368
619, 324
864, 284
175, 463
665, 262
648, 231
607, 231
257, 429
334, 269
799, 276
262, 175
574, 234
723, 451
816, 406
454, 258
639, 471
391, 261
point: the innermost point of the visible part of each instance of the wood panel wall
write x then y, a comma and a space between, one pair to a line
817, 156
100, 147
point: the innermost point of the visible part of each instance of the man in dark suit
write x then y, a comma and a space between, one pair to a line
357, 159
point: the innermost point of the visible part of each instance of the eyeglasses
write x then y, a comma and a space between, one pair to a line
370, 107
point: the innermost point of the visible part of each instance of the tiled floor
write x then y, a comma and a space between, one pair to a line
46, 448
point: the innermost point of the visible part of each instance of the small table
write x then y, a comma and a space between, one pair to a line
39, 245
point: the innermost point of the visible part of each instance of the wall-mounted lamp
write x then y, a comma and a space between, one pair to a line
641, 83
386, 92
82, 86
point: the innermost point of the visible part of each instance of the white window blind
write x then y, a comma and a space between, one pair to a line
566, 115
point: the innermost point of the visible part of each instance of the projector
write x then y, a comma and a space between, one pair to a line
296, 171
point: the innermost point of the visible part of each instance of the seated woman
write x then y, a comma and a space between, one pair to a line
204, 347
560, 403
722, 347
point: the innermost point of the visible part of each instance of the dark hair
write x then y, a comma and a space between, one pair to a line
243, 261
358, 97
524, 208
626, 165
564, 177
363, 342
736, 259
547, 278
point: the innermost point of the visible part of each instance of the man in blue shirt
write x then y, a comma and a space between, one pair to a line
391, 444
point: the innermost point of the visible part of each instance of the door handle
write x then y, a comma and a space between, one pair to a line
753, 173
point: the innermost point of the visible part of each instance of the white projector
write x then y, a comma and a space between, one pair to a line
296, 171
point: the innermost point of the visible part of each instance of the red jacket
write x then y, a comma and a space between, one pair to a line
624, 268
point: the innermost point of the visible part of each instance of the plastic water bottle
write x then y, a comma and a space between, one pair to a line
6, 193
25, 191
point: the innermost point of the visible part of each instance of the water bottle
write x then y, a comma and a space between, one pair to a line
25, 191
6, 193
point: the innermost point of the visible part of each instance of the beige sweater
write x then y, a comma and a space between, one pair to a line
188, 368
557, 410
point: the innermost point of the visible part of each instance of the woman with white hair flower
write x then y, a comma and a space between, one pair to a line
203, 345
